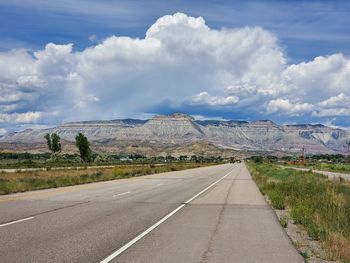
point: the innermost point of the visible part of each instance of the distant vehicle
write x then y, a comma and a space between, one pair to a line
234, 160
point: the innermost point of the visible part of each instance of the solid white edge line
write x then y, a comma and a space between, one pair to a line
148, 230
17, 221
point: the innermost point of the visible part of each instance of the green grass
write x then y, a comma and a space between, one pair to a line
321, 206
26, 181
337, 167
331, 167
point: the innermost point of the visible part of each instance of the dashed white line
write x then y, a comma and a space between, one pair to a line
148, 230
160, 184
17, 221
121, 194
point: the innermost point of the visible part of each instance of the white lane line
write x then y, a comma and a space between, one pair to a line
17, 221
129, 244
148, 230
206, 189
159, 184
122, 194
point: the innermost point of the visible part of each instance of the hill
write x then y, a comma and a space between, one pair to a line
182, 134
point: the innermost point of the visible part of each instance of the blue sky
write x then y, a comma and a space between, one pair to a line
292, 32
306, 29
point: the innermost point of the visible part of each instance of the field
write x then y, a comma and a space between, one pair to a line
320, 206
26, 181
332, 167
47, 160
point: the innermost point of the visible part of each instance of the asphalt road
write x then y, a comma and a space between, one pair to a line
211, 214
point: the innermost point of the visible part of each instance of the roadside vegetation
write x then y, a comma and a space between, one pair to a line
326, 162
56, 159
49, 160
331, 167
320, 206
34, 180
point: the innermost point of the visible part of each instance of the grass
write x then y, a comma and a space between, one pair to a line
336, 167
26, 181
319, 205
331, 167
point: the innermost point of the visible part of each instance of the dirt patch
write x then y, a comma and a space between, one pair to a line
310, 249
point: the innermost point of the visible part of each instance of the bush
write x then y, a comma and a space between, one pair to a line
257, 159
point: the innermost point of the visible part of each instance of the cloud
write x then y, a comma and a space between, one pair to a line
332, 112
92, 38
206, 99
336, 101
285, 106
180, 61
2, 131
28, 117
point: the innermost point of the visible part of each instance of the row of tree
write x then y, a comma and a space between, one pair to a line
82, 143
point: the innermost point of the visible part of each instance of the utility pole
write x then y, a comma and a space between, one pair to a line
303, 153
347, 146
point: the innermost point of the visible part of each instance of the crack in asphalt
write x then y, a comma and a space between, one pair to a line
52, 210
206, 254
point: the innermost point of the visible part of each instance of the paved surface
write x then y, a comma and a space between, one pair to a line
230, 222
331, 175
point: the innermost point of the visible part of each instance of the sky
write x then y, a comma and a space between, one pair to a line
287, 61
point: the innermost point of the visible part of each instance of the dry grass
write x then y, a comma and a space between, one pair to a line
26, 181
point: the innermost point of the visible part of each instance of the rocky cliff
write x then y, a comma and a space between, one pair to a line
167, 132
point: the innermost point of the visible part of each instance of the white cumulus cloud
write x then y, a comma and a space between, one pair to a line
27, 117
180, 61
285, 106
205, 98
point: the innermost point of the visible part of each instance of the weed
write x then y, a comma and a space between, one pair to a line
27, 180
304, 254
284, 221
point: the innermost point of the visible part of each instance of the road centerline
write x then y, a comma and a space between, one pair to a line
154, 226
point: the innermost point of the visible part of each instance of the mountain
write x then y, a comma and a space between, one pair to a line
182, 134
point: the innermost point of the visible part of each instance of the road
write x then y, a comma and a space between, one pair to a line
330, 175
211, 214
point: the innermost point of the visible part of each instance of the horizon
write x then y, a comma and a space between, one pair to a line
193, 116
60, 62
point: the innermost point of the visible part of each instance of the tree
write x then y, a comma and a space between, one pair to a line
48, 141
84, 148
102, 158
53, 142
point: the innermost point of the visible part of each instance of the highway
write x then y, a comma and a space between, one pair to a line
210, 214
